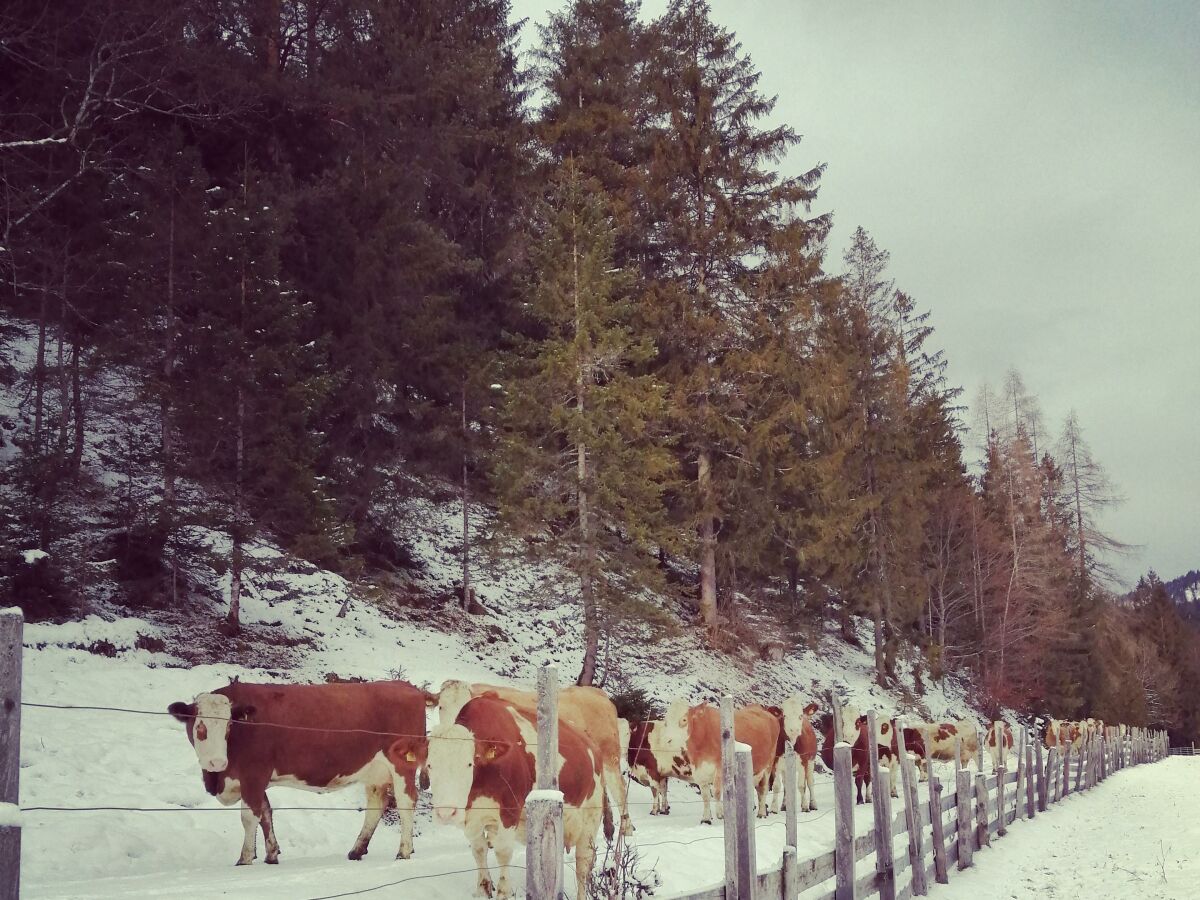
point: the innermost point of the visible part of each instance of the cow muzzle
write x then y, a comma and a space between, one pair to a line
216, 764
445, 815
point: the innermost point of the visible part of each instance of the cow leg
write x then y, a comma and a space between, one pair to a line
504, 842
776, 790
893, 772
376, 800
585, 858
267, 821
479, 847
614, 786
808, 787
406, 806
760, 788
250, 826
706, 791
664, 797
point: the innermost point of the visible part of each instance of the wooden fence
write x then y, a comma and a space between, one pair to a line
981, 808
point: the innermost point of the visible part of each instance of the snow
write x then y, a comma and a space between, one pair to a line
10, 815
546, 794
1134, 836
32, 556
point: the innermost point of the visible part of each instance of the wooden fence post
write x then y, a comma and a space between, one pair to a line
978, 749
957, 758
1030, 806
544, 806
884, 864
1051, 776
745, 799
940, 872
790, 871
1041, 780
1001, 811
1103, 759
1022, 774
838, 733
912, 815
728, 788
1080, 761
1066, 770
843, 821
11, 628
982, 837
963, 798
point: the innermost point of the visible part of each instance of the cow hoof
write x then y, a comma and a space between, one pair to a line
404, 853
485, 888
706, 821
627, 828
356, 855
272, 860
244, 862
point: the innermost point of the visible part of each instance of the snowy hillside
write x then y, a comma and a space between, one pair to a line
304, 624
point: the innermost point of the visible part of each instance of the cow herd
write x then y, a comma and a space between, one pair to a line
478, 762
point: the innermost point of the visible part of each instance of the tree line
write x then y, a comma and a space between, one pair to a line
335, 239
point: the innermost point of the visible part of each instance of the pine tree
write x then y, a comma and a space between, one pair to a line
715, 205
581, 455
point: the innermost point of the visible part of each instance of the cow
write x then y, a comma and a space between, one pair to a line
652, 763
481, 770
914, 745
1056, 734
940, 736
860, 756
795, 725
318, 737
999, 743
587, 708
697, 731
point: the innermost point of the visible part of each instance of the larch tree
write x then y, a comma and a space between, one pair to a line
582, 458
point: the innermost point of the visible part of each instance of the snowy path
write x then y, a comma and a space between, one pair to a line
1136, 836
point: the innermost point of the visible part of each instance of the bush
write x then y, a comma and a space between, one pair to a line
635, 705
37, 587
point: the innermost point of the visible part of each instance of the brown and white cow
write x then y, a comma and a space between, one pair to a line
588, 709
652, 763
860, 755
940, 736
998, 748
697, 730
318, 737
795, 725
914, 745
482, 769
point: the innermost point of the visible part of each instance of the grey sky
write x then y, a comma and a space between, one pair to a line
1034, 170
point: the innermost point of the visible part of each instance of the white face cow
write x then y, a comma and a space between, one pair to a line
208, 720
795, 711
453, 696
675, 727
450, 763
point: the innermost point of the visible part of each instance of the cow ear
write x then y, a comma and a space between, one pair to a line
242, 712
810, 709
184, 712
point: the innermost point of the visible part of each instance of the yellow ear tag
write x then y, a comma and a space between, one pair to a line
491, 753
410, 756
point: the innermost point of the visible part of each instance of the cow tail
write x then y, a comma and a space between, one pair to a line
609, 829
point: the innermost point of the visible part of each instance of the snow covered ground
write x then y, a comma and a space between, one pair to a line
1136, 836
188, 846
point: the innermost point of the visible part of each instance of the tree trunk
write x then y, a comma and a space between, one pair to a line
76, 409
64, 403
168, 373
235, 561
39, 369
466, 509
591, 623
708, 543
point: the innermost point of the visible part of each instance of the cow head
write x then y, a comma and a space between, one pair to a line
675, 727
208, 720
452, 758
451, 699
794, 716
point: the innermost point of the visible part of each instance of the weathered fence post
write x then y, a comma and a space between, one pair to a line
728, 788
1080, 762
1022, 774
1051, 775
957, 758
838, 733
963, 798
978, 749
1103, 759
912, 815
1066, 770
982, 837
11, 628
1001, 811
884, 864
745, 798
843, 821
544, 806
940, 872
790, 872
1041, 779
1030, 806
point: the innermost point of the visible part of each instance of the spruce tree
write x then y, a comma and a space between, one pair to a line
715, 203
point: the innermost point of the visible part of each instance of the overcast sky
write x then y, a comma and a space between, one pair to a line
1034, 170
